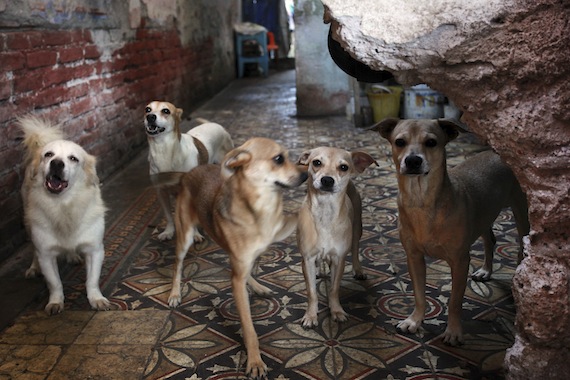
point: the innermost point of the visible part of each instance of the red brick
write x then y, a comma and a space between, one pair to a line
71, 54
25, 80
56, 38
92, 52
81, 106
78, 91
5, 88
41, 58
12, 60
58, 75
47, 97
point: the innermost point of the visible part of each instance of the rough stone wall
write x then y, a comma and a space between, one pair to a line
507, 66
322, 88
92, 66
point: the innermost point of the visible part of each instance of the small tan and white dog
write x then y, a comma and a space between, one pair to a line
240, 206
442, 212
330, 223
170, 150
63, 209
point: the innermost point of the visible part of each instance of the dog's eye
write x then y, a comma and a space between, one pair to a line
430, 143
279, 159
165, 111
147, 109
73, 159
317, 163
343, 167
400, 143
48, 154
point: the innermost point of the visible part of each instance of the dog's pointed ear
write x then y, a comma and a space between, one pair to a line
90, 168
362, 160
385, 127
451, 128
234, 160
304, 158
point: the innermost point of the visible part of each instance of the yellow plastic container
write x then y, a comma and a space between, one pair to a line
385, 101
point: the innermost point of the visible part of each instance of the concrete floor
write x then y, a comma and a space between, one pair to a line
144, 339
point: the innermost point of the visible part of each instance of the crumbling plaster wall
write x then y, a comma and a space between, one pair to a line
506, 64
92, 66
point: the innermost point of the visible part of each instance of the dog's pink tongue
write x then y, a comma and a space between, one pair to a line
55, 185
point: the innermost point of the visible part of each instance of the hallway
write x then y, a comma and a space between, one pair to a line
144, 339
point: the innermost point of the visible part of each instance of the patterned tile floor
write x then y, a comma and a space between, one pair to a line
144, 339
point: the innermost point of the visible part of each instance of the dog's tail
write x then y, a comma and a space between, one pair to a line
166, 179
202, 120
38, 133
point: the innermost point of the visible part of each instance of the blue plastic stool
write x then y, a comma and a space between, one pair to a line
262, 60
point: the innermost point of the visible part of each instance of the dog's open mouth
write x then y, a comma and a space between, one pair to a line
55, 184
153, 129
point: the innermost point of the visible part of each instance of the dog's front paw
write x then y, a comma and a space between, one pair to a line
54, 308
453, 337
256, 369
481, 275
198, 237
409, 325
339, 315
101, 303
309, 321
174, 300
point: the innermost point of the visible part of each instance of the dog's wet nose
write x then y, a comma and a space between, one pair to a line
413, 162
151, 118
56, 165
327, 182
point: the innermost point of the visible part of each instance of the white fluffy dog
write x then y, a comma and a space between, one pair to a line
63, 209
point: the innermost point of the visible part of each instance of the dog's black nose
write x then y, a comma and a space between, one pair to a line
151, 118
413, 162
56, 165
327, 182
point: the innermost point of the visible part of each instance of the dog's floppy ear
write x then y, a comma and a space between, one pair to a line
304, 158
362, 160
451, 128
234, 160
90, 168
385, 127
178, 113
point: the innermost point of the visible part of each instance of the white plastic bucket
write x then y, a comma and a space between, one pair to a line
421, 102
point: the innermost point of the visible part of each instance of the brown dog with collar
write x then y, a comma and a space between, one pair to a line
240, 206
442, 212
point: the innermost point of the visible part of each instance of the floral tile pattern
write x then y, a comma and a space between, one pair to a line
202, 337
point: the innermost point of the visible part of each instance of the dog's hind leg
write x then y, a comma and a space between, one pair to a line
34, 270
484, 273
186, 226
519, 207
164, 199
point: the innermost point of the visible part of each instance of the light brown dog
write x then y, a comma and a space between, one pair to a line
170, 150
441, 212
330, 223
240, 206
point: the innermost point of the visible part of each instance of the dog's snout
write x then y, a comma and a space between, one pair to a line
56, 166
151, 118
327, 182
413, 162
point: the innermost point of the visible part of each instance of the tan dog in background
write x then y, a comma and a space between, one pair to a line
170, 150
330, 223
240, 206
63, 210
442, 213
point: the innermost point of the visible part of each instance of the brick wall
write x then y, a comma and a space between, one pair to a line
97, 91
